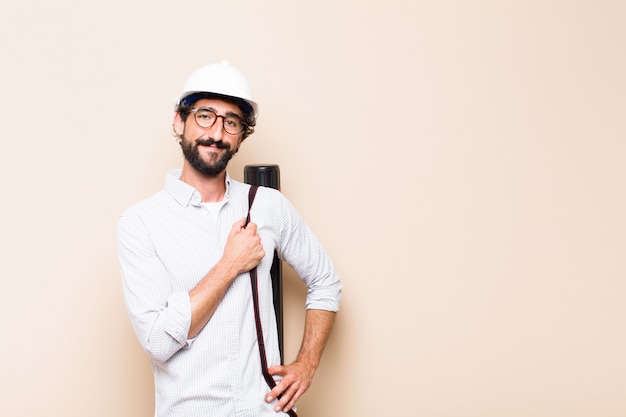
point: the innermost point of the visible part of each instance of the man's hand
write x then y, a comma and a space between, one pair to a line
243, 249
296, 379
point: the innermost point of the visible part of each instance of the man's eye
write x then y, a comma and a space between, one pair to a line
232, 122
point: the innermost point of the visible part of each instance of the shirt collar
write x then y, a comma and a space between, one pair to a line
185, 194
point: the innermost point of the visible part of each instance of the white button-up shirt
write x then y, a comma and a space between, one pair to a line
167, 244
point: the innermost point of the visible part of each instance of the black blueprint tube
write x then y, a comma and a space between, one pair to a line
269, 176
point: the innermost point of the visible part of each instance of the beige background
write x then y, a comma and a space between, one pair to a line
463, 162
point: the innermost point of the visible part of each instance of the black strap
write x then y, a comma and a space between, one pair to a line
257, 316
251, 195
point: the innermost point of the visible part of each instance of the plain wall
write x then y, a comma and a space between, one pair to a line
462, 161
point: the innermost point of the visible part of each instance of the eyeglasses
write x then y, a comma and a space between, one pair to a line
206, 117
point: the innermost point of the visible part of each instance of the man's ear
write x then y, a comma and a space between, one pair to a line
178, 125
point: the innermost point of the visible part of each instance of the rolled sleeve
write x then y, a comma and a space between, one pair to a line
302, 250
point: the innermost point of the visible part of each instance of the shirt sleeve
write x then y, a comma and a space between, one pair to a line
302, 250
160, 317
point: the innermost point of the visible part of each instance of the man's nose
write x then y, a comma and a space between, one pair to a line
216, 132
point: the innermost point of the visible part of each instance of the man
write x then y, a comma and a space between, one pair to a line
185, 255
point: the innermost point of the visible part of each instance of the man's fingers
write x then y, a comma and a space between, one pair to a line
276, 370
289, 398
287, 391
239, 224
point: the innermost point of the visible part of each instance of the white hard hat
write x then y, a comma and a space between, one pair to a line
219, 78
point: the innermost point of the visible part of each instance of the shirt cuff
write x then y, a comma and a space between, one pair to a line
179, 317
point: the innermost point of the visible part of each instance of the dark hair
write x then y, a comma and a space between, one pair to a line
186, 104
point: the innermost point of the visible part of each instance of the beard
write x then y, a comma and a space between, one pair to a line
208, 169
